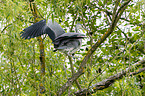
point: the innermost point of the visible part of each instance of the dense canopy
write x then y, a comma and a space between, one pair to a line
111, 60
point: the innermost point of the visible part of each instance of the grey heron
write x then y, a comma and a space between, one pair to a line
65, 42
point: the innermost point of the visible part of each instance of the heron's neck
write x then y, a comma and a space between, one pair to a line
78, 30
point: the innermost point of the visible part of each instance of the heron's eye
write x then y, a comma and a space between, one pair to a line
65, 43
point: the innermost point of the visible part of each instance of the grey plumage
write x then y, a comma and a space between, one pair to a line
65, 42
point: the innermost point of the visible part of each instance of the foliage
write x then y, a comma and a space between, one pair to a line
19, 59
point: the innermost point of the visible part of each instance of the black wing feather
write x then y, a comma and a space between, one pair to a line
29, 31
38, 29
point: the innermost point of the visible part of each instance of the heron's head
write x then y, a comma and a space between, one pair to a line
79, 27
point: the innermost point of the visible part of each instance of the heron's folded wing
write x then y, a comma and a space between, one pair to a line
69, 35
38, 29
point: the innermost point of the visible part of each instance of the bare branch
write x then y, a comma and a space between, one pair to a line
109, 81
90, 52
114, 10
41, 45
109, 13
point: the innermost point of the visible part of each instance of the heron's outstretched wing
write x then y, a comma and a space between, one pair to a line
53, 30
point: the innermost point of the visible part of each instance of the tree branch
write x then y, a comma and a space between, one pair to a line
41, 45
73, 71
114, 10
109, 13
90, 52
109, 81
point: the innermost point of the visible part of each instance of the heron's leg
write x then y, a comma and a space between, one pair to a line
65, 69
70, 55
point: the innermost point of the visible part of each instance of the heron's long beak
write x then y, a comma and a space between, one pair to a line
83, 35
